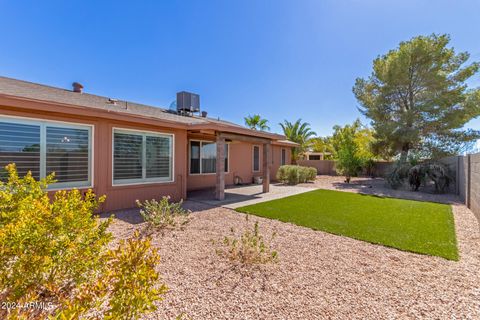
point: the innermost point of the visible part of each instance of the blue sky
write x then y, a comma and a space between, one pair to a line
281, 59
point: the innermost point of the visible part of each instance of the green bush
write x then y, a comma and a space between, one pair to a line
56, 253
163, 213
296, 174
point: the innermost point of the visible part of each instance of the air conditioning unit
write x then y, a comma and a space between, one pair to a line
187, 102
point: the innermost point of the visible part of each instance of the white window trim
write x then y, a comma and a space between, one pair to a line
253, 158
283, 150
43, 123
190, 157
143, 133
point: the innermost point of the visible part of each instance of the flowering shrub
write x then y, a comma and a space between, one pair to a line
55, 253
296, 174
163, 213
249, 248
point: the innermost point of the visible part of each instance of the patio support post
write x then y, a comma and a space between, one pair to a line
220, 169
266, 166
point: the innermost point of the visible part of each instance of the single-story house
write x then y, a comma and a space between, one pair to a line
127, 150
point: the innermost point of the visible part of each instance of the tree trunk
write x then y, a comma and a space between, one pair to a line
404, 154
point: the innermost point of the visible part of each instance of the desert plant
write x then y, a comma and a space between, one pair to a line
419, 173
56, 253
163, 213
292, 174
250, 248
397, 174
440, 175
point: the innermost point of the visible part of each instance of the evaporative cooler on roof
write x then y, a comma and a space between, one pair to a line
188, 103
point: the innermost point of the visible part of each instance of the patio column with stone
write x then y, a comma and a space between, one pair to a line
267, 161
220, 169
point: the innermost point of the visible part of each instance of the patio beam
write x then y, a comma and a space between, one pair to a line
266, 166
220, 169
243, 138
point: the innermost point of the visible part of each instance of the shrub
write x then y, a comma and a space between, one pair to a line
163, 213
56, 253
296, 174
249, 248
420, 173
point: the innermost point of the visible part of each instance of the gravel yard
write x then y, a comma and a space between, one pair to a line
319, 275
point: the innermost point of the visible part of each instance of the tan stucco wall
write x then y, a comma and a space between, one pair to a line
119, 197
240, 164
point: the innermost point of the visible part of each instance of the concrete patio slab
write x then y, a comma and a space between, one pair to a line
239, 196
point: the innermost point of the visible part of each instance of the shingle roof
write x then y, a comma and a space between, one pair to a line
35, 91
19, 88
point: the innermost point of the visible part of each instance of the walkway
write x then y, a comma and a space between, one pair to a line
239, 196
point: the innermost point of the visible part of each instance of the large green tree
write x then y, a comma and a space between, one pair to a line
256, 122
418, 99
299, 132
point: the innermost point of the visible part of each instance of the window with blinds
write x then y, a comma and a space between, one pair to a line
141, 157
67, 153
45, 147
256, 158
203, 157
20, 144
283, 161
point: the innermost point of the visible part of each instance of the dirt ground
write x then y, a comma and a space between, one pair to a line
318, 276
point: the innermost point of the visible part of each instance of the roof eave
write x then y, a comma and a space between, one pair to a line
235, 129
45, 105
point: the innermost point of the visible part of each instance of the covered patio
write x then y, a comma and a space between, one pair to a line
221, 138
238, 156
238, 196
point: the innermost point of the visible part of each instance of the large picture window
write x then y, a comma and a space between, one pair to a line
45, 147
141, 157
203, 157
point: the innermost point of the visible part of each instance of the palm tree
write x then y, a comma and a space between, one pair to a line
300, 133
256, 122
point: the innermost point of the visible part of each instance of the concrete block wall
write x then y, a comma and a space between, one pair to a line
473, 184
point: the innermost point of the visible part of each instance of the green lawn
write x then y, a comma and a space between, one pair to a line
421, 227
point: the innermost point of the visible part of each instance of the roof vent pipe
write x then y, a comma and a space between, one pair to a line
77, 87
204, 114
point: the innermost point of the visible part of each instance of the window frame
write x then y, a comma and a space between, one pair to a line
253, 158
227, 144
143, 180
43, 124
283, 156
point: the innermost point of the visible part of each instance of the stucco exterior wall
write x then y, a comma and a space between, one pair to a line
124, 196
240, 164
119, 197
474, 185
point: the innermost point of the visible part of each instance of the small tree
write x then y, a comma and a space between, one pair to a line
348, 161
